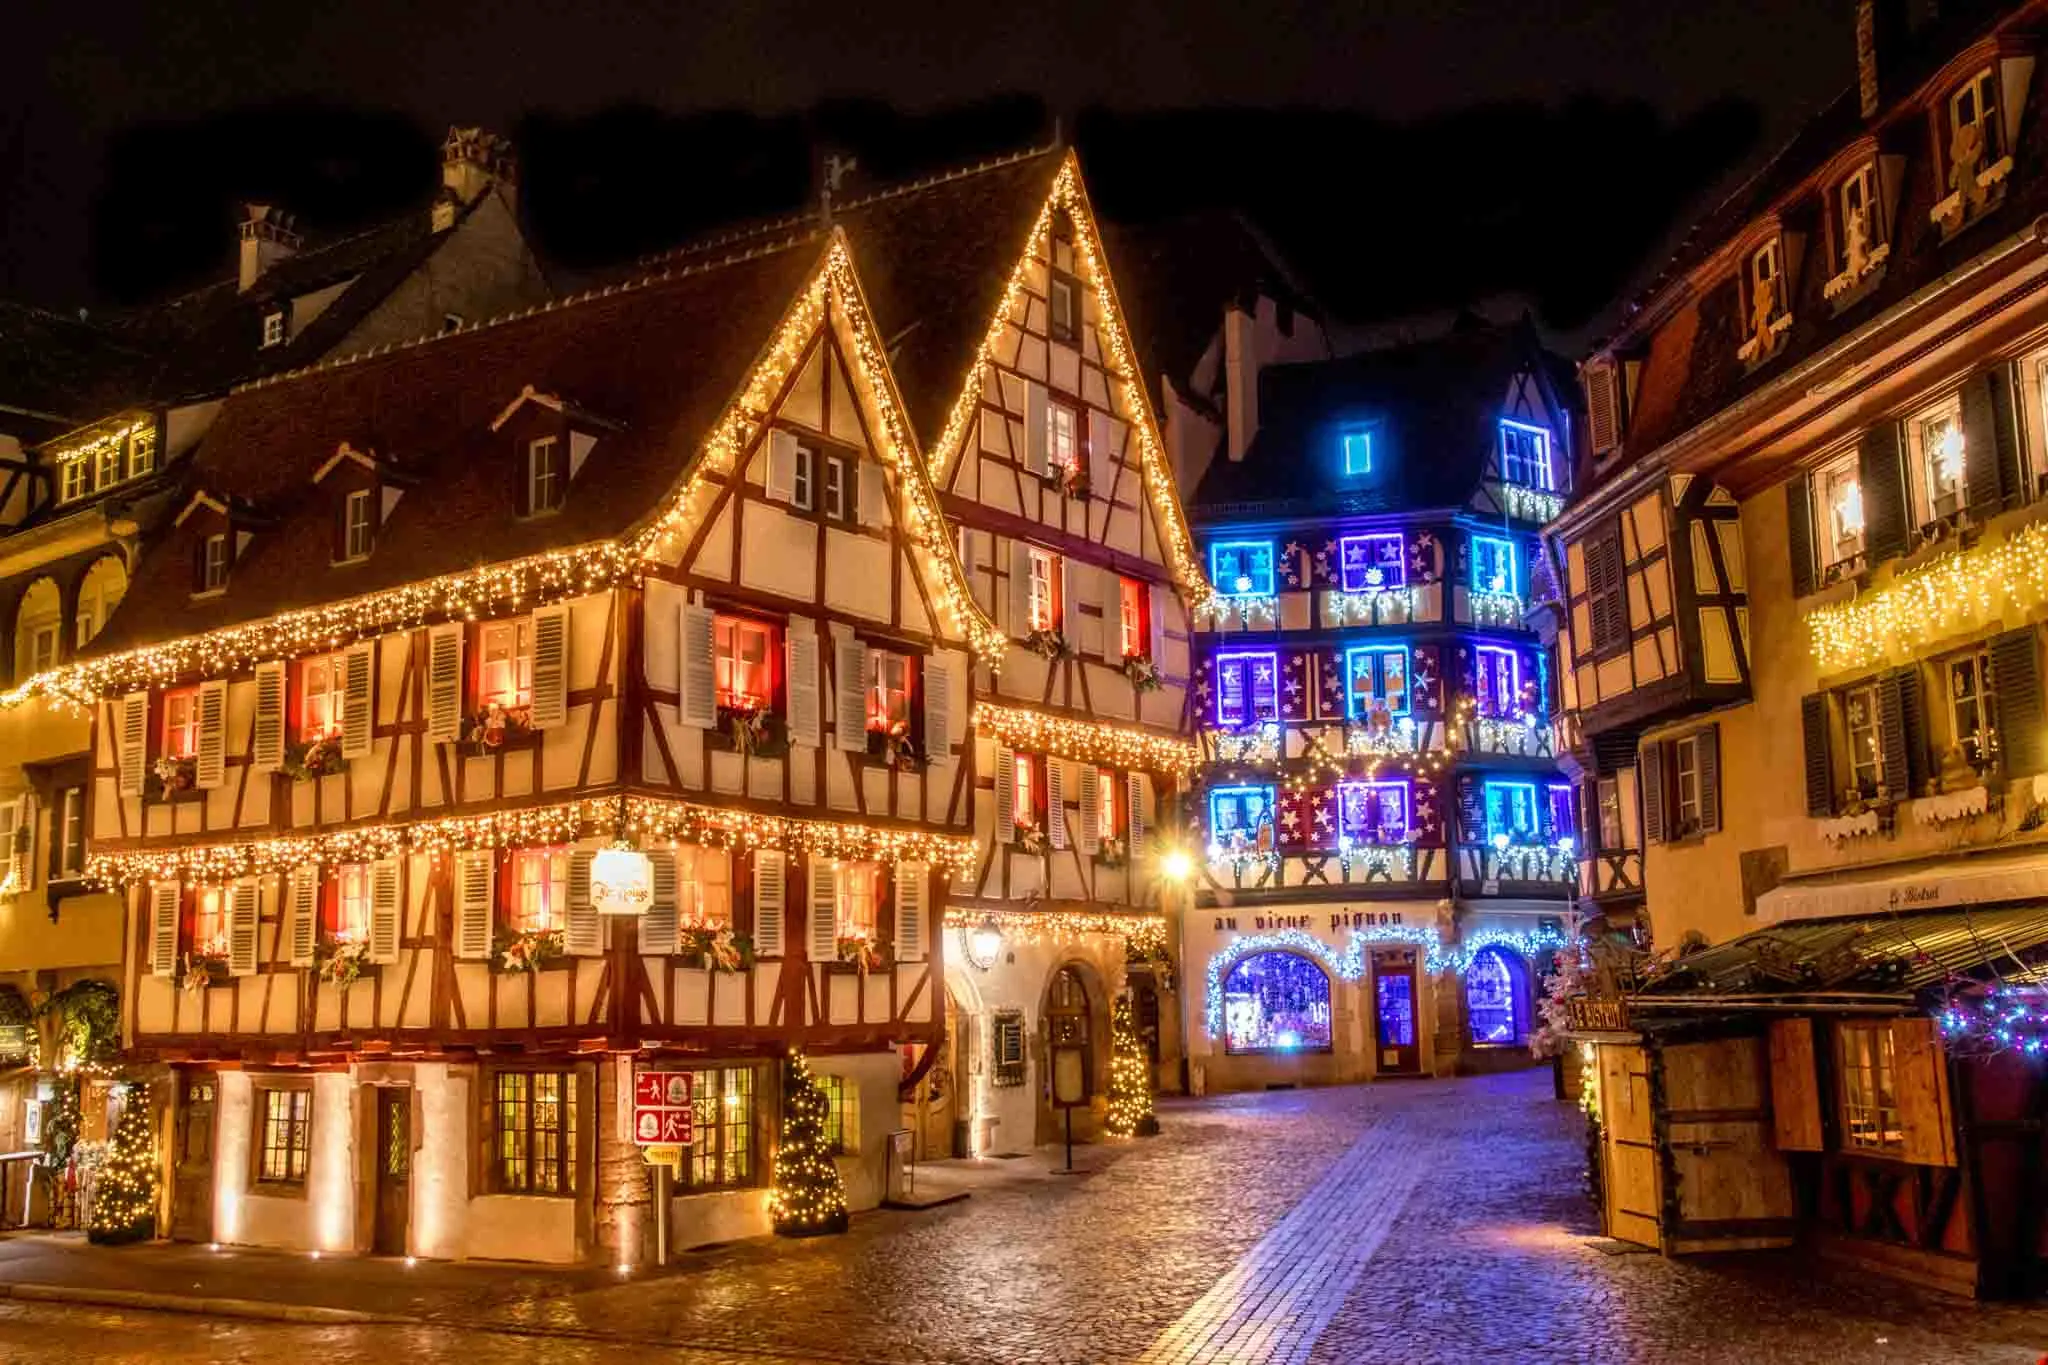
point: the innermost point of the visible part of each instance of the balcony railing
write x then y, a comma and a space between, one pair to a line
1521, 738
1517, 870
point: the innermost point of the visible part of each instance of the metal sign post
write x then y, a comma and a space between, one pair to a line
1069, 1090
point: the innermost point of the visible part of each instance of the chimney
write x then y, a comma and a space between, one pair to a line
267, 238
1884, 31
472, 161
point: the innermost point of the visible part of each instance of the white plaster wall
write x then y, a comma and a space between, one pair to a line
722, 1216
321, 1219
875, 1077
1019, 980
522, 1227
440, 1166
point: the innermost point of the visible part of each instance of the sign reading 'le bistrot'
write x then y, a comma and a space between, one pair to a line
661, 1109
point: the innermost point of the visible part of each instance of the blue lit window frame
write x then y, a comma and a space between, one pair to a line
1491, 786
1397, 579
1356, 788
1547, 482
1379, 677
1237, 794
1508, 557
1569, 827
1221, 547
1514, 671
1354, 450
1249, 714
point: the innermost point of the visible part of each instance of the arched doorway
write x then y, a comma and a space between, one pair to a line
943, 1095
99, 592
1066, 1014
38, 627
1496, 998
1276, 1002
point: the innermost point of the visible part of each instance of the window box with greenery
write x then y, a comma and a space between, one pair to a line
170, 775
1143, 673
751, 729
715, 947
516, 951
313, 758
864, 953
495, 726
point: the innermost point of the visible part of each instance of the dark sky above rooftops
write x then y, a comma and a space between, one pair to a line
1410, 156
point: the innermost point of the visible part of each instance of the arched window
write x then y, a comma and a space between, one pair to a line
1276, 1002
1067, 1022
98, 595
37, 625
1493, 997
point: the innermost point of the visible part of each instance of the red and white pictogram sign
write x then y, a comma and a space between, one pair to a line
661, 1109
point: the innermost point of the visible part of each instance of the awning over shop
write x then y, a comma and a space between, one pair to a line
1954, 882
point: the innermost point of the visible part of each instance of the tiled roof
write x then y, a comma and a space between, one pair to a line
60, 372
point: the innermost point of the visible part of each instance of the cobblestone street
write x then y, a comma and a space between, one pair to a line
1433, 1221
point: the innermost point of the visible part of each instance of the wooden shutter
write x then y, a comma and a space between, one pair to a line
781, 465
1795, 1086
823, 909
2016, 680
913, 886
1650, 778
1102, 454
697, 688
359, 691
1090, 631
1881, 478
1138, 791
850, 696
1020, 589
1707, 745
387, 909
211, 769
1035, 456
770, 901
806, 723
1898, 709
550, 666
1991, 443
1006, 795
1091, 809
475, 880
133, 710
583, 931
874, 497
1799, 534
1158, 598
9, 830
164, 899
266, 749
1056, 800
1921, 1074
1820, 774
302, 912
938, 711
1603, 407
660, 924
444, 683
243, 917
26, 810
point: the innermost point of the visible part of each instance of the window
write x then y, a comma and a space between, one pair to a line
210, 921
1241, 818
545, 483
1024, 789
1859, 231
1611, 835
1493, 565
1525, 456
1972, 707
1561, 818
1685, 783
450, 322
1276, 1002
1370, 563
70, 834
1975, 106
889, 689
1247, 688
321, 692
1373, 812
105, 583
842, 1114
535, 1147
505, 664
858, 887
1492, 998
273, 328
181, 723
213, 563
1133, 618
1375, 676
841, 498
1062, 300
722, 1101
1511, 811
109, 465
1606, 595
1938, 467
1499, 676
141, 452
745, 662
75, 480
802, 479
38, 646
1107, 789
1242, 568
349, 921
1357, 448
1062, 436
1870, 1097
540, 889
1866, 744
286, 1141
1764, 284
1043, 600
357, 525
1839, 489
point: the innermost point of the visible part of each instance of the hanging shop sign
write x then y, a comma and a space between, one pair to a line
1597, 1013
662, 1114
621, 881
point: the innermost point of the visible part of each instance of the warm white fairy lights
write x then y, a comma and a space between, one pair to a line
1087, 741
1926, 604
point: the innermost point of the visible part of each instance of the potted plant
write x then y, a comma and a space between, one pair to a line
717, 947
1143, 673
863, 953
1073, 480
752, 729
892, 743
1112, 852
493, 725
1031, 837
1048, 644
340, 962
169, 775
525, 950
202, 968
311, 758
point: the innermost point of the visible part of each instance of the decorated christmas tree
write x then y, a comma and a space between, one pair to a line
1130, 1076
808, 1199
124, 1196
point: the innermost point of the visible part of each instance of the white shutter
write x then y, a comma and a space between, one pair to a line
266, 750
163, 928
781, 465
1083, 584
806, 724
1101, 453
444, 683
697, 703
242, 922
1138, 790
913, 885
134, 741
550, 666
583, 934
1006, 795
1091, 808
1056, 800
824, 909
1034, 427
975, 554
1160, 599
659, 930
1020, 589
874, 497
475, 878
302, 912
387, 910
938, 711
359, 695
211, 767
850, 696
770, 899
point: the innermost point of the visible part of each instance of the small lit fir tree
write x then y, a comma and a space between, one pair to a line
808, 1199
124, 1195
1130, 1076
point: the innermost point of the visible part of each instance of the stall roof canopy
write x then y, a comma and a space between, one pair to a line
1992, 878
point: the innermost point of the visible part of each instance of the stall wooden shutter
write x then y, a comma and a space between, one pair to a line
1991, 443
1650, 779
913, 883
211, 769
134, 739
1035, 456
1020, 589
1006, 795
781, 465
1921, 1073
550, 666
1138, 788
850, 697
1056, 800
823, 909
302, 912
475, 881
583, 934
359, 692
1795, 1086
1091, 809
164, 899
806, 723
2016, 679
266, 747
938, 711
1799, 532
697, 701
1707, 746
387, 909
770, 899
1881, 478
659, 925
243, 917
1820, 774
1898, 706
444, 684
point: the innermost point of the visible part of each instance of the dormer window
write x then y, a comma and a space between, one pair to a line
358, 525
1357, 452
546, 475
75, 480
1973, 110
1525, 456
1862, 230
141, 452
1765, 302
211, 571
273, 328
1974, 157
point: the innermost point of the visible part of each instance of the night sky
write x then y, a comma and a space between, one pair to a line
1407, 156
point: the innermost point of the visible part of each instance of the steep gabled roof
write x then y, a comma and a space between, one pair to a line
58, 372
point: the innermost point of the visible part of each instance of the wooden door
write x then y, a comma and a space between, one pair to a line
1394, 1028
1734, 1186
192, 1162
1630, 1176
394, 1170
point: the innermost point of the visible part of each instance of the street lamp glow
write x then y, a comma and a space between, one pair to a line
1175, 865
987, 941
